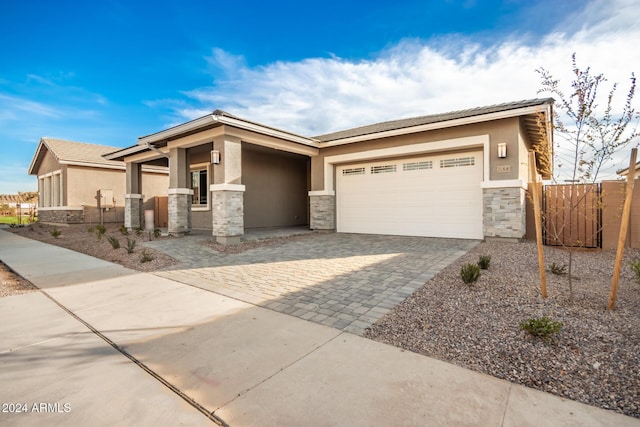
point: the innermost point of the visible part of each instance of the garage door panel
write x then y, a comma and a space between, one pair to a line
439, 202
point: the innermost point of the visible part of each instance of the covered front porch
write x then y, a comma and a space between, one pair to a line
225, 174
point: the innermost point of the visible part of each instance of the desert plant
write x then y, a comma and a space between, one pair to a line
123, 230
131, 245
115, 243
484, 261
559, 270
156, 232
470, 273
138, 231
55, 232
91, 229
145, 256
635, 267
541, 327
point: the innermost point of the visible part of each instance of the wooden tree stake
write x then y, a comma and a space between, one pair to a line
624, 226
535, 194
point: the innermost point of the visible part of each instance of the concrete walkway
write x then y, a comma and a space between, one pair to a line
346, 281
102, 345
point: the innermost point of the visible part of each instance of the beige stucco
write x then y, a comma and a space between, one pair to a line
506, 131
276, 187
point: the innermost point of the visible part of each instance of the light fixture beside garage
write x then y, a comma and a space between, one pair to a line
502, 150
215, 157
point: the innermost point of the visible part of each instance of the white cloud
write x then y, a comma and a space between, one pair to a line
414, 77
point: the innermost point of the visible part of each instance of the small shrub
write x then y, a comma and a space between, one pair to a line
156, 232
100, 230
123, 230
635, 267
145, 257
559, 270
55, 232
91, 229
470, 273
541, 327
138, 231
115, 243
484, 261
131, 245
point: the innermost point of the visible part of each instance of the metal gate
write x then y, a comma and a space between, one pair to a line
572, 215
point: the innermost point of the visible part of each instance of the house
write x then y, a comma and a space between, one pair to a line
76, 184
17, 202
461, 174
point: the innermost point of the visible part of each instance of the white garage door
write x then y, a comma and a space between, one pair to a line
436, 196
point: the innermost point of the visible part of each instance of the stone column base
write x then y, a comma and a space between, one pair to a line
179, 201
504, 212
227, 204
132, 211
323, 210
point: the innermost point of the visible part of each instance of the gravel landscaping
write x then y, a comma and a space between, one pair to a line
595, 357
83, 238
12, 284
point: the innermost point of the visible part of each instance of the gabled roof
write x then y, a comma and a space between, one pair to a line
431, 119
74, 153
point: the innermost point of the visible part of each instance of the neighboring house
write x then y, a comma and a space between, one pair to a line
461, 174
14, 201
76, 184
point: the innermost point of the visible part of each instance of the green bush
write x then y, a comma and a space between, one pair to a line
635, 267
91, 229
100, 230
470, 273
484, 261
156, 232
123, 230
131, 245
55, 232
145, 257
541, 327
115, 243
559, 270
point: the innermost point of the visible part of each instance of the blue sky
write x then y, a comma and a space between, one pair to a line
107, 72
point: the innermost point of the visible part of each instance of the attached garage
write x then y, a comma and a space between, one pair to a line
434, 196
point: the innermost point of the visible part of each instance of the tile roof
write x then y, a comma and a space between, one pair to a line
435, 118
79, 152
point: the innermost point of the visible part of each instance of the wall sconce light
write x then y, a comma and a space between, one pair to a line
502, 150
215, 157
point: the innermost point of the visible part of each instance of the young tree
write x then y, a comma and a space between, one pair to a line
587, 134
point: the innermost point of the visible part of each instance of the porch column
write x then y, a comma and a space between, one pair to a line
504, 215
322, 205
179, 192
133, 197
227, 192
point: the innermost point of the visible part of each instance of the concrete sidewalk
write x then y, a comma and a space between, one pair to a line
247, 365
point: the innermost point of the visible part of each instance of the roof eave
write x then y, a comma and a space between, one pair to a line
210, 119
438, 125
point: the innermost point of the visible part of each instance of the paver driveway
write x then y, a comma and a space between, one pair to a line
347, 281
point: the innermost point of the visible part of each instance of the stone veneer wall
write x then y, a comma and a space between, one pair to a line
323, 212
179, 213
504, 212
61, 216
132, 213
228, 213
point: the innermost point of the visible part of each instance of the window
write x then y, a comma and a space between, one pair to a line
353, 171
383, 169
200, 187
416, 166
461, 161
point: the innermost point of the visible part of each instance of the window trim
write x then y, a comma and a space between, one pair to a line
196, 167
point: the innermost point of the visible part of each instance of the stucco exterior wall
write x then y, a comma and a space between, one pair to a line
276, 188
499, 131
49, 164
